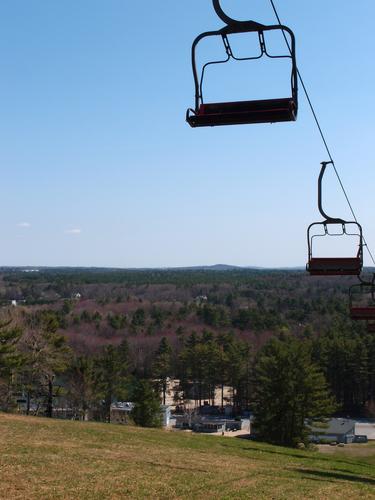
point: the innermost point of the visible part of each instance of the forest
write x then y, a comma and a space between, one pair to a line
84, 338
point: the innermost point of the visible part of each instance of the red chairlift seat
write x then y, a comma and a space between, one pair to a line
362, 302
242, 112
335, 266
366, 313
340, 266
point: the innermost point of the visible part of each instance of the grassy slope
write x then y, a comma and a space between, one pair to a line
43, 458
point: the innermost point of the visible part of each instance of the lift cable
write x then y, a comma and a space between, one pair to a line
322, 134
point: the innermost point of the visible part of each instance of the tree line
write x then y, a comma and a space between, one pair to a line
286, 383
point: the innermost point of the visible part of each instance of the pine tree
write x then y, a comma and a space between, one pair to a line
10, 360
290, 392
188, 369
236, 364
345, 359
9, 357
162, 366
111, 372
146, 412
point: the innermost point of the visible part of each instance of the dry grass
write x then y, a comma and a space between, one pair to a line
45, 459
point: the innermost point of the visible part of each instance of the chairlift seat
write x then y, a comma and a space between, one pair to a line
362, 313
327, 266
244, 112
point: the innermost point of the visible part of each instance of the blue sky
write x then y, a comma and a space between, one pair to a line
99, 167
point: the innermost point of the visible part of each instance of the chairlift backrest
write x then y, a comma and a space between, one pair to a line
334, 266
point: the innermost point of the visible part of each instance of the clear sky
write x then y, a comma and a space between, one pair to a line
99, 167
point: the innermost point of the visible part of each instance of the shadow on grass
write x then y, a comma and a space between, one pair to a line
334, 476
288, 452
302, 455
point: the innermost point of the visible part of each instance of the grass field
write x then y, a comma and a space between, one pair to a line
45, 459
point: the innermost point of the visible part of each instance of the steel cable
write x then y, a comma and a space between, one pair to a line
322, 135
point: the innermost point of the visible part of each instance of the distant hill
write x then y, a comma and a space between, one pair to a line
215, 267
62, 269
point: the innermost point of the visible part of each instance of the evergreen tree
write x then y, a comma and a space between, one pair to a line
139, 318
237, 363
10, 360
146, 412
244, 388
187, 367
111, 372
290, 392
345, 358
211, 360
198, 366
162, 366
9, 357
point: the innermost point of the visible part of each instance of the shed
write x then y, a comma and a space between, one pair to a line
120, 412
210, 426
339, 430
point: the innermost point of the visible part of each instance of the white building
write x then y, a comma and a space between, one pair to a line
365, 429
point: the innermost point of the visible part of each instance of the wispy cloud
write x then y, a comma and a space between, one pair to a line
73, 231
24, 224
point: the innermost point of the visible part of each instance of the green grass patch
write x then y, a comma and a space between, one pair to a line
43, 458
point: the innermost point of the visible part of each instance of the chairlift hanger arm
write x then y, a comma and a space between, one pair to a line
243, 26
236, 26
223, 16
229, 21
320, 205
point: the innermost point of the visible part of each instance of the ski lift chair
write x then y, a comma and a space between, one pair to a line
249, 111
333, 266
362, 303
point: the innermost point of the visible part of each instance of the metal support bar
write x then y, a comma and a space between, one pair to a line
320, 206
228, 48
262, 42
